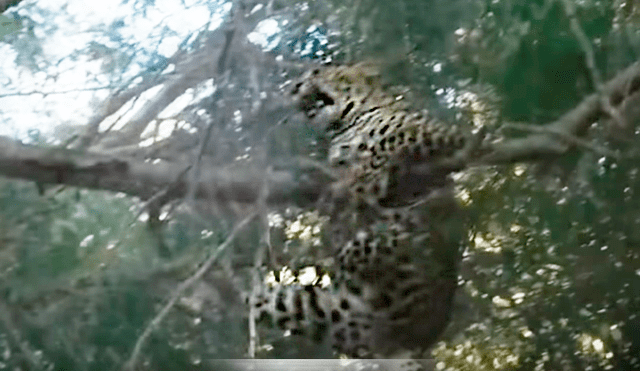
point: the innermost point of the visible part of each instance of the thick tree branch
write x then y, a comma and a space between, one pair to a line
621, 95
299, 182
241, 183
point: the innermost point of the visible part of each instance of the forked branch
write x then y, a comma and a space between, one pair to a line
615, 104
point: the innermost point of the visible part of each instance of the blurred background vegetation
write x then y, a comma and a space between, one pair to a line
551, 274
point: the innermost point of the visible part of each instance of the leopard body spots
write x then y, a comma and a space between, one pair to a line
394, 252
388, 153
388, 294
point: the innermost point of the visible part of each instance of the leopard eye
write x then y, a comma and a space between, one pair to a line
296, 88
325, 98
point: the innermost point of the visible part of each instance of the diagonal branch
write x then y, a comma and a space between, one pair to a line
622, 93
131, 363
189, 72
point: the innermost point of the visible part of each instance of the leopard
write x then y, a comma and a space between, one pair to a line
394, 238
386, 152
381, 300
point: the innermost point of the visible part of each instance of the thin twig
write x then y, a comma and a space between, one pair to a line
253, 335
130, 365
584, 41
589, 54
309, 163
263, 211
564, 136
197, 164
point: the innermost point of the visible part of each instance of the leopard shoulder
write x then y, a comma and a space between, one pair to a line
387, 152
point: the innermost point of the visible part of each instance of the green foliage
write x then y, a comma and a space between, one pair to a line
552, 265
80, 265
66, 236
551, 273
552, 269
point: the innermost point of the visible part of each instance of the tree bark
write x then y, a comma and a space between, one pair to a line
301, 184
239, 183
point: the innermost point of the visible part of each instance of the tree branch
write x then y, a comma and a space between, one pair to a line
297, 182
240, 183
190, 70
153, 325
622, 93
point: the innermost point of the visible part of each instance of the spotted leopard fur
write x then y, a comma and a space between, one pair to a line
388, 153
395, 260
382, 299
